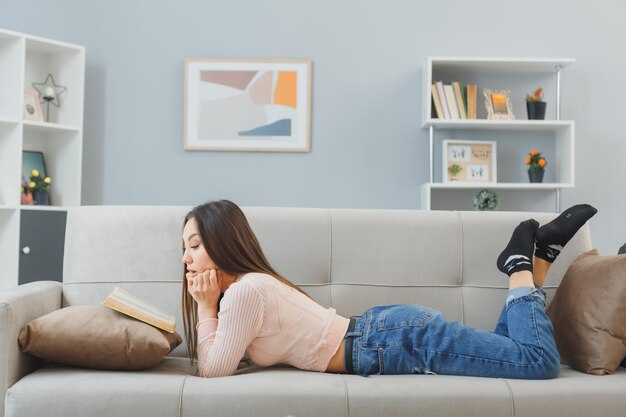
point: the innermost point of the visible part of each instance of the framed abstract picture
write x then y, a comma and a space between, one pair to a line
32, 107
33, 160
498, 104
247, 105
469, 161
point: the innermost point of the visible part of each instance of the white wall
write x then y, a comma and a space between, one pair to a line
368, 149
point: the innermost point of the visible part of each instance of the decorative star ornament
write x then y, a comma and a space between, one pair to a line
44, 91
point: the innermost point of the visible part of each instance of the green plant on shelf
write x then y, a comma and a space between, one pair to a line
486, 200
535, 161
537, 95
38, 183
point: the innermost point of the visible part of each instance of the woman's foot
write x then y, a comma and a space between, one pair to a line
553, 236
517, 256
540, 270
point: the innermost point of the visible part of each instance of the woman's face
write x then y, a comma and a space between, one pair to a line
194, 255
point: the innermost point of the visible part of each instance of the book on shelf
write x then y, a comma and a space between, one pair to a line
454, 101
471, 101
442, 98
437, 102
126, 303
451, 100
458, 94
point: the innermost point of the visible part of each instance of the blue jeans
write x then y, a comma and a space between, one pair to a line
410, 338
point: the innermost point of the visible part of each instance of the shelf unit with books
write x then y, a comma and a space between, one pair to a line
26, 59
515, 137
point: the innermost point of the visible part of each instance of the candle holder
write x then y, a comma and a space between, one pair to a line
49, 91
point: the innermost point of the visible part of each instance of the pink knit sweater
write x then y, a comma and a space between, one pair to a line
274, 322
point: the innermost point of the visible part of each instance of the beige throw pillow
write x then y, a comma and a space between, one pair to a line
96, 337
588, 313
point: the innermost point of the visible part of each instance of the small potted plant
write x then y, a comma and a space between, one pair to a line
486, 200
535, 106
536, 166
39, 187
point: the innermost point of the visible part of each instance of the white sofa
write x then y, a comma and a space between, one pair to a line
345, 258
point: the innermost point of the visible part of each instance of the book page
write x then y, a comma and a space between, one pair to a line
130, 300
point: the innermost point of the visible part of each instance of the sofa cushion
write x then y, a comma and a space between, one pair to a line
589, 314
279, 390
572, 394
96, 337
61, 391
427, 395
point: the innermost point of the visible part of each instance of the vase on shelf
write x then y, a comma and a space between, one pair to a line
536, 175
40, 198
26, 199
536, 110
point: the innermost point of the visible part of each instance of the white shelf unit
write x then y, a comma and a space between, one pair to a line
24, 60
514, 137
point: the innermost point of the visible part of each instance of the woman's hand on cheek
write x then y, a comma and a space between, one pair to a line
204, 287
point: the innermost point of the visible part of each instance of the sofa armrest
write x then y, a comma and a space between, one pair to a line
18, 306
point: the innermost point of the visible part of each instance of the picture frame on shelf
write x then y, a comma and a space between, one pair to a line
33, 160
247, 105
469, 161
498, 104
32, 106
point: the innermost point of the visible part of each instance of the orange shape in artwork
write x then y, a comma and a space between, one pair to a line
285, 93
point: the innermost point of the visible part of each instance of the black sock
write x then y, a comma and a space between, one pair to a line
517, 256
551, 237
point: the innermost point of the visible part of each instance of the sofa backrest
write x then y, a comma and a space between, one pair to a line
348, 259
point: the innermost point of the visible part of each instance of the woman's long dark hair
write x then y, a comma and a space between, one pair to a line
232, 245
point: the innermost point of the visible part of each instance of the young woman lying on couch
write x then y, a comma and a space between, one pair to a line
277, 322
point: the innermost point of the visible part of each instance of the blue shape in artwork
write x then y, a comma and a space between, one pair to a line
278, 128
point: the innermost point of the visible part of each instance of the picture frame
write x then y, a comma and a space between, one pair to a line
261, 105
32, 106
470, 161
498, 104
33, 160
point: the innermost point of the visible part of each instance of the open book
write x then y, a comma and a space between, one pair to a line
126, 303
